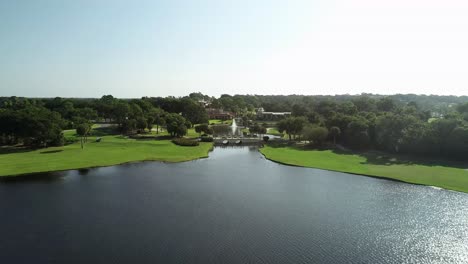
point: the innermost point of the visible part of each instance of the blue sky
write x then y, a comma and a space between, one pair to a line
158, 48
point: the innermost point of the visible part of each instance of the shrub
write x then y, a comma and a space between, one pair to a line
185, 142
206, 139
266, 138
58, 141
70, 140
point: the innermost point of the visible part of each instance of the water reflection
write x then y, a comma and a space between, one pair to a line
83, 172
35, 177
234, 207
239, 147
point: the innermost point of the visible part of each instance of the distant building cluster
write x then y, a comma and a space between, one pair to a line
204, 103
262, 115
215, 113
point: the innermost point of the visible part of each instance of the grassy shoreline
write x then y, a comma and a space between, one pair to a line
112, 150
372, 165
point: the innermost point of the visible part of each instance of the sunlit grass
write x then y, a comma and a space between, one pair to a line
112, 150
220, 122
435, 174
274, 131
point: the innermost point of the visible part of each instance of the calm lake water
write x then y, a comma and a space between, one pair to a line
234, 207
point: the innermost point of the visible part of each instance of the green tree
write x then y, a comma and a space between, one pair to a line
335, 132
40, 127
150, 123
128, 126
194, 112
159, 121
365, 104
83, 130
299, 110
315, 134
86, 113
357, 133
457, 143
441, 131
347, 108
292, 126
105, 106
254, 129
385, 104
203, 128
176, 125
390, 129
141, 124
135, 111
121, 112
462, 108
32, 125
415, 139
262, 130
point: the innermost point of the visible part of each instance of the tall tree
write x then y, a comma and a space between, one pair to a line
141, 124
292, 126
385, 104
176, 125
82, 130
121, 112
315, 134
335, 132
203, 128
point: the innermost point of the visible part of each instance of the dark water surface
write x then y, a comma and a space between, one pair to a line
234, 207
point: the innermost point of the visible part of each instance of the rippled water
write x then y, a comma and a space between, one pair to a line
234, 207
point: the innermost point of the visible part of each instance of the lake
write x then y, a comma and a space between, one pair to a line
233, 207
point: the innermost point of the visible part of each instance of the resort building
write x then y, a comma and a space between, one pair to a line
262, 115
215, 113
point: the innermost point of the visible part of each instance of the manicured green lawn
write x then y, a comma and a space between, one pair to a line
112, 150
219, 122
274, 131
454, 178
215, 121
190, 133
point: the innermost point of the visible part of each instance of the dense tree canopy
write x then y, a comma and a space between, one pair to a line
176, 125
33, 125
412, 124
315, 134
292, 126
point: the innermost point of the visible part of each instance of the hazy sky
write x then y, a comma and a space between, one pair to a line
157, 48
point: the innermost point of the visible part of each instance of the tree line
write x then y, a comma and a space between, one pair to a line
364, 123
40, 122
413, 124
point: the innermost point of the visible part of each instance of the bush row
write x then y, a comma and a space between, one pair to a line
206, 139
185, 142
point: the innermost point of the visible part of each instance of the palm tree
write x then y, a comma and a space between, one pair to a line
335, 132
